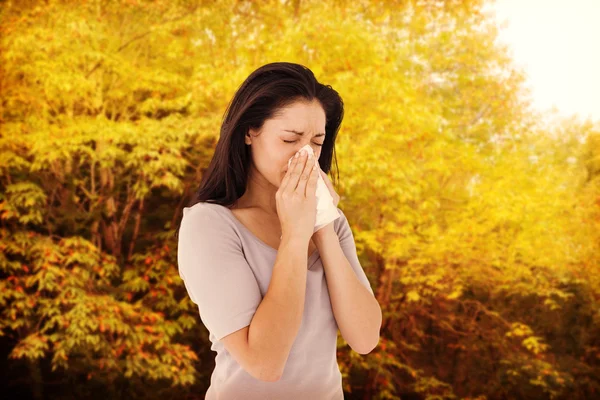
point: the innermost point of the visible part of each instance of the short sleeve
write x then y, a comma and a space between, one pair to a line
215, 272
348, 246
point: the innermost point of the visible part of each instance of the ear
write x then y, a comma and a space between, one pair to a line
250, 134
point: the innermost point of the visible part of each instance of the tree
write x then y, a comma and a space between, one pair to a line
481, 241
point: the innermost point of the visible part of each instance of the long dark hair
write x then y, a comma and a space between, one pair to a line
268, 89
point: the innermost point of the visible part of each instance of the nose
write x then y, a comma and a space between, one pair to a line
316, 153
308, 146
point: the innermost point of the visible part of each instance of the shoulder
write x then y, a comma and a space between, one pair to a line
204, 209
338, 222
207, 218
342, 225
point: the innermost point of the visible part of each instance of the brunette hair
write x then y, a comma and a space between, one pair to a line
267, 90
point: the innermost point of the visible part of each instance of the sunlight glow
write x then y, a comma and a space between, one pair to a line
556, 42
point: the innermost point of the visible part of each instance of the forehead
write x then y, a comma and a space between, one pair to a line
301, 115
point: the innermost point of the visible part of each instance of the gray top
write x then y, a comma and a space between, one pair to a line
226, 270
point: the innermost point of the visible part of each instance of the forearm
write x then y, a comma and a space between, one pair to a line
356, 310
278, 318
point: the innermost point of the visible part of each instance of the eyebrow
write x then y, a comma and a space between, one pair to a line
302, 133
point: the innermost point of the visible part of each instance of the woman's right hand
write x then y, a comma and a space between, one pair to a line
296, 198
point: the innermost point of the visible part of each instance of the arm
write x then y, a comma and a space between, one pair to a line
278, 318
356, 310
258, 331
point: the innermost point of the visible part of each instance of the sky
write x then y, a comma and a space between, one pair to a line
557, 42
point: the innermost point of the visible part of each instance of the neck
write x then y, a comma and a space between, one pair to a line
259, 194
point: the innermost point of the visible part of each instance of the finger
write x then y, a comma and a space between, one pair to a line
326, 179
306, 170
299, 170
311, 187
323, 175
288, 175
296, 172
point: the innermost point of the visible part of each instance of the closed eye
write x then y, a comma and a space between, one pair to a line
294, 141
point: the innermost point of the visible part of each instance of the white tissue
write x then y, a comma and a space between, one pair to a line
326, 209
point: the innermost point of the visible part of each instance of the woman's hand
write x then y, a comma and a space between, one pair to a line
336, 200
329, 184
296, 197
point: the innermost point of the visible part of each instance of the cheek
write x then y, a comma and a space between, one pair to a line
284, 163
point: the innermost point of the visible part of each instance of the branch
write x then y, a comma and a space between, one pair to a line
141, 35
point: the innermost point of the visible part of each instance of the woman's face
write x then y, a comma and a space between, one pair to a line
277, 142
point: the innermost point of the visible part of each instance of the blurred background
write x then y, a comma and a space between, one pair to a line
468, 164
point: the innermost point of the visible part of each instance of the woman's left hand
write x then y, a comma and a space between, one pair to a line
336, 199
329, 184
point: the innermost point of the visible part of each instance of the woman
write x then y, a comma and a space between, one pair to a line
271, 292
